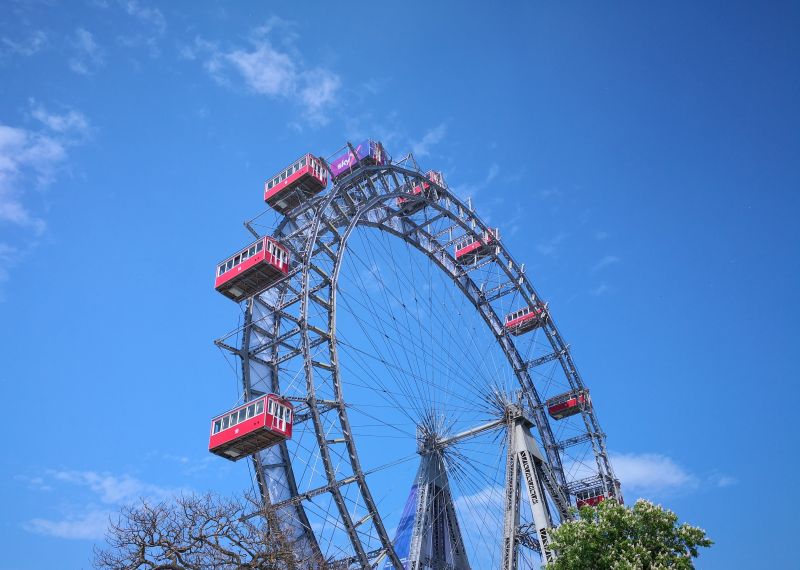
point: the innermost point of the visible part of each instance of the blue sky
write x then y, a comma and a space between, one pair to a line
641, 161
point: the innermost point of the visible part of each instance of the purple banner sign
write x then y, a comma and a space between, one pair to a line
367, 148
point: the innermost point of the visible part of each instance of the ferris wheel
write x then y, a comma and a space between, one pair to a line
407, 400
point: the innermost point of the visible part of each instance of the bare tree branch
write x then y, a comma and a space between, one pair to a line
198, 533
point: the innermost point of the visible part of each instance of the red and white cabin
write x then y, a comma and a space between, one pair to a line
411, 204
469, 250
250, 271
567, 404
256, 425
525, 319
590, 497
302, 179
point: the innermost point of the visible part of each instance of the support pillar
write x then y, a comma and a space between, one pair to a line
429, 536
524, 471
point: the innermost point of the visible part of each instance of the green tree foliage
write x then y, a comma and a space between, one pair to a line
612, 536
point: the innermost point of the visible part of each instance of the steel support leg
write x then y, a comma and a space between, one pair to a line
524, 470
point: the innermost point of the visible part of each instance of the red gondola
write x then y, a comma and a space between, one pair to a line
469, 250
412, 204
251, 427
590, 497
568, 404
252, 270
304, 178
525, 319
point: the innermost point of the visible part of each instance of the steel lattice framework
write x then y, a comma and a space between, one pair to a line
289, 337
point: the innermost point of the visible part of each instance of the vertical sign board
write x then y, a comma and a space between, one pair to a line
402, 538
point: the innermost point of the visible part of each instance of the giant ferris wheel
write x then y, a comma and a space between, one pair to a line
407, 399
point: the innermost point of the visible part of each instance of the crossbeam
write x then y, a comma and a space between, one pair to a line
441, 443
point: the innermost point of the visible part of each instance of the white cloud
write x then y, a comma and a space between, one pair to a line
111, 489
31, 45
721, 480
33, 483
8, 259
265, 70
150, 17
91, 525
480, 516
148, 29
605, 262
24, 155
285, 28
432, 137
318, 92
374, 85
600, 235
70, 123
651, 474
88, 55
494, 170
387, 128
471, 190
91, 521
269, 71
30, 159
485, 500
552, 245
550, 193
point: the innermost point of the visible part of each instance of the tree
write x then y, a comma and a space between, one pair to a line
197, 533
611, 536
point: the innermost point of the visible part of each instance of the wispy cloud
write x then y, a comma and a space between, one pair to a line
480, 516
551, 246
265, 69
494, 170
600, 289
71, 123
721, 480
422, 147
9, 257
472, 189
24, 154
30, 160
111, 489
90, 521
149, 16
34, 155
28, 46
387, 128
88, 54
91, 525
600, 235
605, 261
150, 27
318, 92
547, 193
